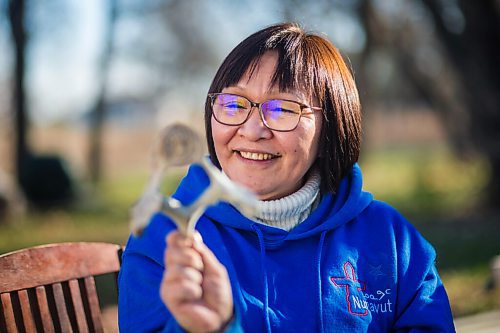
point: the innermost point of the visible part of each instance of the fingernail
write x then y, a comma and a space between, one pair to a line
198, 240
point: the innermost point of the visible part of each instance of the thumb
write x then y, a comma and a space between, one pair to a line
212, 265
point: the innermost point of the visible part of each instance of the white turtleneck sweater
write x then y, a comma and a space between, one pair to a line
288, 212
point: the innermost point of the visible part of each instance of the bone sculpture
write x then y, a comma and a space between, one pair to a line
179, 145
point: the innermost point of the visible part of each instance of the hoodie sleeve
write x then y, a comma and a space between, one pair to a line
422, 302
140, 307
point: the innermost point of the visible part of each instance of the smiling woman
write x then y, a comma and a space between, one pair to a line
283, 118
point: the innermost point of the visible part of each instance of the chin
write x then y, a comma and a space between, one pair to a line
261, 193
265, 195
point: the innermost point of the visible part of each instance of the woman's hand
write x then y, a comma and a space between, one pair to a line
195, 286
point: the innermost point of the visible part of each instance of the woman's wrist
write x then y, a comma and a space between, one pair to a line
225, 325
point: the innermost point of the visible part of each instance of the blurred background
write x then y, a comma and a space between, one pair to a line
86, 86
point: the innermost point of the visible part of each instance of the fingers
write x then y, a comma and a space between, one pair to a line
187, 257
180, 251
191, 251
182, 261
216, 285
183, 276
212, 265
175, 238
178, 273
180, 291
195, 286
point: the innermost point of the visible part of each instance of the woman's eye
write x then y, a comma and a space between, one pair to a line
234, 106
283, 110
280, 107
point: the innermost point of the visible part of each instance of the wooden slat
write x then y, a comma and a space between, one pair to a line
28, 320
43, 307
8, 311
27, 268
62, 312
81, 320
93, 300
62, 278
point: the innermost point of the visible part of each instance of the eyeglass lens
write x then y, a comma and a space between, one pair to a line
277, 114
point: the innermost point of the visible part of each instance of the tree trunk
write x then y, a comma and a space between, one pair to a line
16, 19
474, 52
99, 111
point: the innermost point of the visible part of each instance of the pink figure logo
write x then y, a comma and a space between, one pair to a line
353, 288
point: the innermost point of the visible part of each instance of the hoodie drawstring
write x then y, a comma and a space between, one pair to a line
318, 267
319, 254
264, 275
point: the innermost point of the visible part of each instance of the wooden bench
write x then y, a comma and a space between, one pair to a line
51, 288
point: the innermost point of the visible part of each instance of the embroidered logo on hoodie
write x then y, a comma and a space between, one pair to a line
359, 302
353, 289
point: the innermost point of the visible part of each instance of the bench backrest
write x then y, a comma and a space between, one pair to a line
51, 288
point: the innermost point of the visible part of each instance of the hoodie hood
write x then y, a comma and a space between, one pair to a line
334, 209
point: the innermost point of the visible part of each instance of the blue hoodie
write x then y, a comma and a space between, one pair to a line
354, 265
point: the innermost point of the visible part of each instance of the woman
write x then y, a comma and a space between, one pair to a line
283, 119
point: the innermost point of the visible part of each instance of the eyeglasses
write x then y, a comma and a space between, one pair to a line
277, 114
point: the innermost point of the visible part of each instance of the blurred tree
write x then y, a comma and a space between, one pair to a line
43, 179
98, 113
17, 10
470, 34
181, 48
448, 51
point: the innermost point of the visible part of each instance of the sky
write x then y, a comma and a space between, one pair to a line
59, 70
62, 62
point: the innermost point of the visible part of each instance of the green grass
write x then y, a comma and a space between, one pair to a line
467, 292
100, 214
425, 182
436, 191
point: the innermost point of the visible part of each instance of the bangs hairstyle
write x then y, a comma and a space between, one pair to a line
310, 64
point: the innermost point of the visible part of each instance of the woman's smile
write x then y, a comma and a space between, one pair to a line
256, 156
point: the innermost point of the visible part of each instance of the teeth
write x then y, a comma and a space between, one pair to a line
256, 156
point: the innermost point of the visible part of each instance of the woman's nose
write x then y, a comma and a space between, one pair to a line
254, 128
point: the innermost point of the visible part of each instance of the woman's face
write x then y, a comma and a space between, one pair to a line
271, 164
